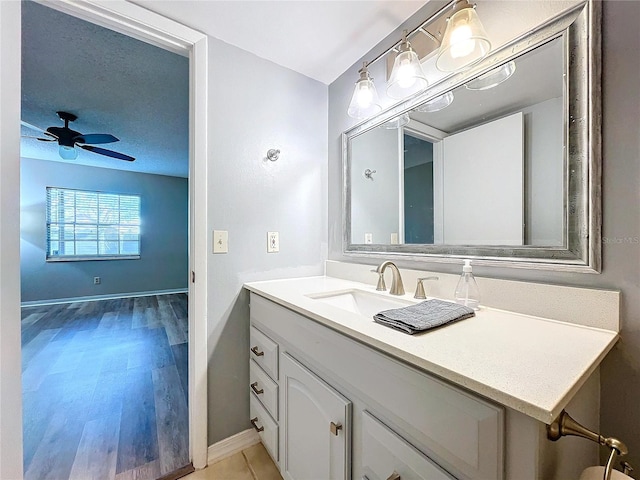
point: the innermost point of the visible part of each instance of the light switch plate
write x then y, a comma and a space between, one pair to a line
273, 242
394, 239
220, 241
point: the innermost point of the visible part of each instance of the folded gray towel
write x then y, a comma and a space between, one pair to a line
423, 316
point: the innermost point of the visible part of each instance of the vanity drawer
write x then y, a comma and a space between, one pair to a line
265, 389
265, 426
264, 351
385, 453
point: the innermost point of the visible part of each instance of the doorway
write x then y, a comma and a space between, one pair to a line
102, 389
142, 24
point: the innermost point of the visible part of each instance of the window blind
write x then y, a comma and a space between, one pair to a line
89, 225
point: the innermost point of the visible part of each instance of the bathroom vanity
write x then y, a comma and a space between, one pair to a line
335, 395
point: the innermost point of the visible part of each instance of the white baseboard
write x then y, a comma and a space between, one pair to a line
93, 298
234, 444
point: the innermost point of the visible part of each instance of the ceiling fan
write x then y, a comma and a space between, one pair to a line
69, 139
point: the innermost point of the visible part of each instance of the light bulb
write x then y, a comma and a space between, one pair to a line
364, 101
407, 77
365, 95
406, 74
464, 42
461, 42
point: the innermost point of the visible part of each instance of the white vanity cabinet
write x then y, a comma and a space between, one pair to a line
316, 422
348, 411
263, 376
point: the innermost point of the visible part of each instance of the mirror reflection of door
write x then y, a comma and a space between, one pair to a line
418, 189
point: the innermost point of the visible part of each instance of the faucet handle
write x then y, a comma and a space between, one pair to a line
420, 293
381, 287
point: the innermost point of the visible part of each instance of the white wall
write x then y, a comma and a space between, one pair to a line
163, 263
255, 105
10, 384
620, 389
544, 173
375, 204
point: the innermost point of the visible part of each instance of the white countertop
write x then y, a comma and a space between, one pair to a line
530, 364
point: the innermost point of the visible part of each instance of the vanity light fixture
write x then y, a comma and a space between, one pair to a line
407, 77
465, 41
493, 77
436, 104
364, 101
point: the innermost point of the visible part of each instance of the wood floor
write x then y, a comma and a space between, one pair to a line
105, 389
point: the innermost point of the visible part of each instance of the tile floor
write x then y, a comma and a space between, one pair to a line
253, 463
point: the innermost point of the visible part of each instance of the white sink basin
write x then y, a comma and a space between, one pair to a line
361, 302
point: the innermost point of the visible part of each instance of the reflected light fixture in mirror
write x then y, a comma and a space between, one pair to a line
465, 40
397, 122
364, 101
493, 77
407, 77
436, 104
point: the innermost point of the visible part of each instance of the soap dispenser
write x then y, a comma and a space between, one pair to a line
467, 292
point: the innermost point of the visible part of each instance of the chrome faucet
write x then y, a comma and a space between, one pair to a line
397, 288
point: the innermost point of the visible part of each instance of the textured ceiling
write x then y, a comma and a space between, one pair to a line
320, 39
113, 83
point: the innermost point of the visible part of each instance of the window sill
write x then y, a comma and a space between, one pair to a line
90, 258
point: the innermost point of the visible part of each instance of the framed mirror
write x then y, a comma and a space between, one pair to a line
500, 163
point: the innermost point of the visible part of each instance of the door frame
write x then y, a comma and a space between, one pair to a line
150, 27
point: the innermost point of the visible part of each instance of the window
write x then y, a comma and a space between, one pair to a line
84, 225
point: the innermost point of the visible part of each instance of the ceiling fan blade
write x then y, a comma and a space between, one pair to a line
108, 153
41, 130
95, 138
38, 138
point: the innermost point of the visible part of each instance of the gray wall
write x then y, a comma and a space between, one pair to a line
620, 383
255, 105
163, 263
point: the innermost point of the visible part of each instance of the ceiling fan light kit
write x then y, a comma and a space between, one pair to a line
69, 139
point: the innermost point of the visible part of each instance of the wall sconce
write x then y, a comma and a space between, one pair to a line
364, 101
465, 41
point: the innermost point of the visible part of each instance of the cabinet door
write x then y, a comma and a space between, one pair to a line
316, 424
386, 455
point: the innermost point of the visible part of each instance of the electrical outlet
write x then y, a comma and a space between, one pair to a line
394, 239
220, 241
273, 242
368, 238
97, 280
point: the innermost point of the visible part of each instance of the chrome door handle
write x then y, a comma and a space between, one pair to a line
257, 352
254, 386
394, 476
254, 422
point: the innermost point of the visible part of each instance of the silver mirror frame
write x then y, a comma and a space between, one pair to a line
580, 26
